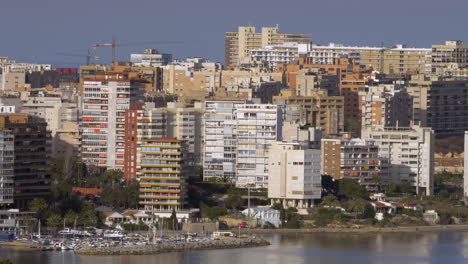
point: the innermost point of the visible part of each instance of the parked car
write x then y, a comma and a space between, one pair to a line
244, 225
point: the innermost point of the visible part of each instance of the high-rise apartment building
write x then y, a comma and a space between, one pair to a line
258, 125
294, 175
406, 154
161, 174
450, 59
106, 97
237, 138
141, 123
354, 159
220, 130
7, 149
31, 156
240, 44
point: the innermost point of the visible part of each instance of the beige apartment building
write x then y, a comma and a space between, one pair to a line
394, 60
240, 44
294, 175
450, 59
318, 110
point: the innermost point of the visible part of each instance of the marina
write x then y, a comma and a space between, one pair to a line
116, 242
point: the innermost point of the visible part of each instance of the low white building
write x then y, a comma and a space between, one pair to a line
115, 219
264, 215
294, 178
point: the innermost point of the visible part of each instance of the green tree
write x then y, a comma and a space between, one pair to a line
54, 221
213, 212
70, 218
87, 215
40, 207
350, 189
369, 212
292, 218
172, 223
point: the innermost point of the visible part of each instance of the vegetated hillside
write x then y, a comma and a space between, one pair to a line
449, 144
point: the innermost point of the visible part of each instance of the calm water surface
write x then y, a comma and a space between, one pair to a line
437, 247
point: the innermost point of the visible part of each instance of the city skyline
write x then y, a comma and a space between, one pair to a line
201, 26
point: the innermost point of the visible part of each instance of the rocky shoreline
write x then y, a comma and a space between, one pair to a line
175, 247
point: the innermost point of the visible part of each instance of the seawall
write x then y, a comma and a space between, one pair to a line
175, 247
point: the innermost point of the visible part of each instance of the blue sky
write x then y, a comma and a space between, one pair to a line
35, 30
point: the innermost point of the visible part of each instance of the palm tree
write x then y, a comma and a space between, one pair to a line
330, 201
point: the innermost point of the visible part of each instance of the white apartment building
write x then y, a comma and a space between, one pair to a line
7, 149
220, 135
284, 53
105, 100
407, 155
294, 178
258, 125
237, 137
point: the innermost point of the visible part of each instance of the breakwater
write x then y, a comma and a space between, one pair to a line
175, 247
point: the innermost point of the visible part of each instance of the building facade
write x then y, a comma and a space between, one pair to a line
272, 55
106, 98
220, 130
258, 125
160, 173
393, 60
450, 59
7, 152
318, 110
294, 175
31, 157
440, 103
406, 154
354, 159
